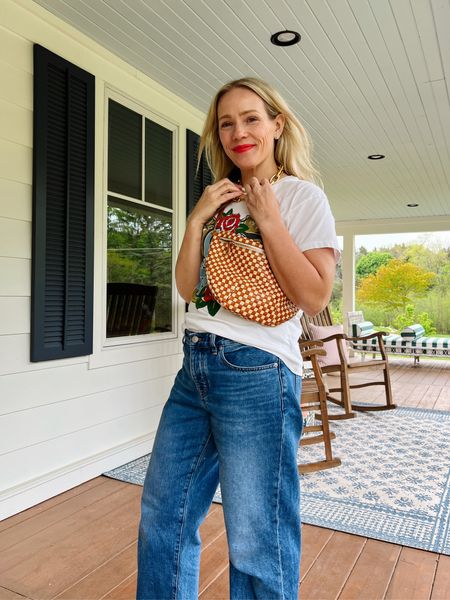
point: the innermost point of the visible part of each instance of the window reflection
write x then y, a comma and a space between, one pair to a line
124, 151
139, 270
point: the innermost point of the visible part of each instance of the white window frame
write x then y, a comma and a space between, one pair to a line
146, 113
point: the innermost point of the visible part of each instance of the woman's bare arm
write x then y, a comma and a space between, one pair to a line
189, 260
305, 277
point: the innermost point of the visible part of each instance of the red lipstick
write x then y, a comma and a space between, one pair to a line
243, 148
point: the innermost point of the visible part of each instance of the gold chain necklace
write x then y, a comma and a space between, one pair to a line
272, 180
277, 175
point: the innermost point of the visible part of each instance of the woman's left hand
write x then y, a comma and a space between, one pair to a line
262, 202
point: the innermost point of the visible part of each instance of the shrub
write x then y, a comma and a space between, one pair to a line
409, 317
371, 262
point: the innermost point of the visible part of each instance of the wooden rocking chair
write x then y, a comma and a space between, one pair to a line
130, 309
314, 398
344, 367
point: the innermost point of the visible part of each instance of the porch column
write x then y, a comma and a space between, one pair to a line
348, 276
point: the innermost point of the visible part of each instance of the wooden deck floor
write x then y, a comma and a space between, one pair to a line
81, 545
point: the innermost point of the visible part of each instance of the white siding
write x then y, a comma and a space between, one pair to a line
63, 422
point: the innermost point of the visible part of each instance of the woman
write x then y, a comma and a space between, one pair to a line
233, 414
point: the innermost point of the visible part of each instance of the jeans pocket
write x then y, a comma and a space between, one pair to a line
247, 358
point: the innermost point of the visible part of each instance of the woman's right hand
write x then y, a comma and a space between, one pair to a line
213, 197
189, 258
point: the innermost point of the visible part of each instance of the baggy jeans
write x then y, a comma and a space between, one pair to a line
234, 417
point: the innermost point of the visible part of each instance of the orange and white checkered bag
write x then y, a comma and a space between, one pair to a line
241, 280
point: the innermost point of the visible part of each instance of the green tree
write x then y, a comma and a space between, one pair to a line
369, 263
443, 282
361, 251
139, 246
395, 285
397, 250
411, 316
140, 251
430, 260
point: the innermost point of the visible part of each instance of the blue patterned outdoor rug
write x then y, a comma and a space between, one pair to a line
393, 484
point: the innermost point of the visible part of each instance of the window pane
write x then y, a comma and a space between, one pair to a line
158, 164
124, 151
139, 270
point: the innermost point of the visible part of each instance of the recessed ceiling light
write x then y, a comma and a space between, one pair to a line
376, 156
285, 38
412, 205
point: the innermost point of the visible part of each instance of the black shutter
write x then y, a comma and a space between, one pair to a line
196, 181
63, 209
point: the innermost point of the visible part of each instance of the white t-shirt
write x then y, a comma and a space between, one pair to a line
306, 213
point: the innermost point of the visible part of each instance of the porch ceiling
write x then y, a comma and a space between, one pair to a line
368, 77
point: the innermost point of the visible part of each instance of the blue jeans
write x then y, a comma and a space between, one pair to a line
233, 416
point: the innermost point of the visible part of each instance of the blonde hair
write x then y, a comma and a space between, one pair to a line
292, 149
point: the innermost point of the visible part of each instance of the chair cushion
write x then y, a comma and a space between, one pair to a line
309, 418
431, 343
413, 331
362, 328
396, 344
332, 354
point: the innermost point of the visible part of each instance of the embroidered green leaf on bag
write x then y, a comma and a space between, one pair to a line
213, 307
204, 298
241, 228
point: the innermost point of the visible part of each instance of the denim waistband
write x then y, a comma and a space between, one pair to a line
200, 339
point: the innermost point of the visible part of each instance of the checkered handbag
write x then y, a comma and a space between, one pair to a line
241, 280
